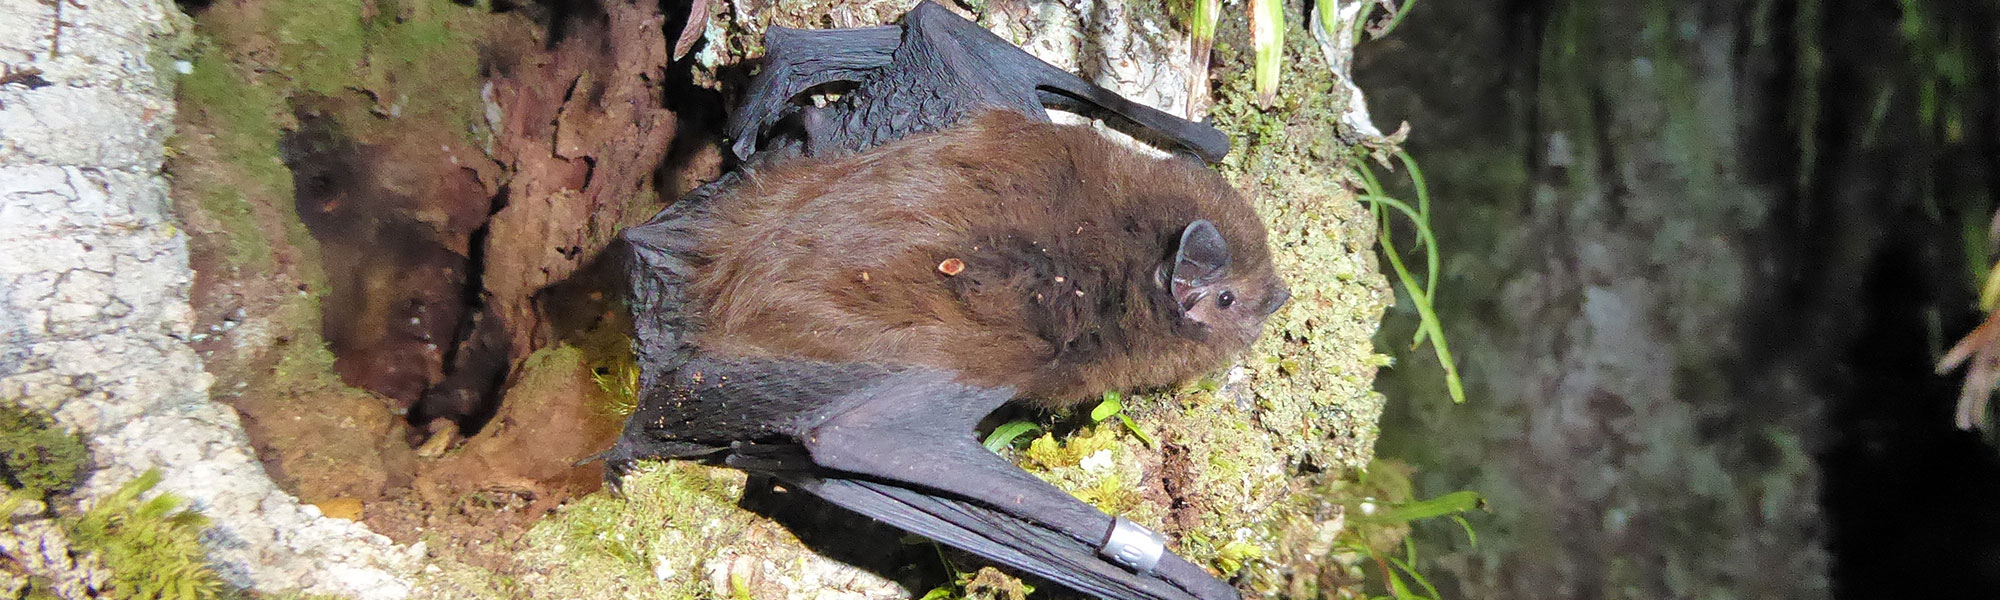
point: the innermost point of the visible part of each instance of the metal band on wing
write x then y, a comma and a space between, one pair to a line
1133, 546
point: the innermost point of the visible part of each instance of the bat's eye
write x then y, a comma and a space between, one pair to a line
1226, 299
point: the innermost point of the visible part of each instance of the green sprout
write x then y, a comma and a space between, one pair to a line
1202, 21
1374, 523
1422, 292
1005, 435
1114, 405
1399, 573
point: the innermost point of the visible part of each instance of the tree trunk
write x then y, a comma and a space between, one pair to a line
397, 216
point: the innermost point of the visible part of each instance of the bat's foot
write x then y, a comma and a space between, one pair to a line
614, 474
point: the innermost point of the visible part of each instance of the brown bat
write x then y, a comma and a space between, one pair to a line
842, 313
1036, 256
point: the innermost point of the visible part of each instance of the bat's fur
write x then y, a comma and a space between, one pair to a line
1062, 234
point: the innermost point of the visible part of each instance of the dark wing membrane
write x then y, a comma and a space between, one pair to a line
797, 60
926, 74
897, 444
1009, 540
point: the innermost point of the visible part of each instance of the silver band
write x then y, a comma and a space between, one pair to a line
1133, 546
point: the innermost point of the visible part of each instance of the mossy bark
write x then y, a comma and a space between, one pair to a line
1654, 309
386, 196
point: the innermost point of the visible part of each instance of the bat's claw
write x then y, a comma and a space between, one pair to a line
614, 475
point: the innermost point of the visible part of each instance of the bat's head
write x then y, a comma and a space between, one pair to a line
1226, 293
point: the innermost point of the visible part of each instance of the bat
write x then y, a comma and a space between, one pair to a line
887, 269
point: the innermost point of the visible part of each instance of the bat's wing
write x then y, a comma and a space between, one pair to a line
1003, 538
660, 258
896, 444
925, 74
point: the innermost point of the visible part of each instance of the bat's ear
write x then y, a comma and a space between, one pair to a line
1202, 261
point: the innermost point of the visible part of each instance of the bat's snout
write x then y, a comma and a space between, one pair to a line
1279, 296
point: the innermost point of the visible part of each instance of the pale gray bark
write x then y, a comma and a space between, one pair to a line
94, 312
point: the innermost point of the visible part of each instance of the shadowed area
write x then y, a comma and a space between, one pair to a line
1700, 260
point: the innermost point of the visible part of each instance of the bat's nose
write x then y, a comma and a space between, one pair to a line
1277, 299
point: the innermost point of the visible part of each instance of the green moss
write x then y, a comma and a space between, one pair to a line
1048, 454
152, 547
245, 173
224, 94
36, 455
1231, 557
556, 367
417, 60
252, 69
322, 41
606, 348
247, 250
1100, 465
987, 583
651, 542
409, 66
1303, 398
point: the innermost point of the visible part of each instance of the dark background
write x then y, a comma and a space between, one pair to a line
1700, 259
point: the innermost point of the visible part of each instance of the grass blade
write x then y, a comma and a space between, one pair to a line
1267, 37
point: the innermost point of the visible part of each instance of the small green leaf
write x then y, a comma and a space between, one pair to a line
1143, 437
1232, 556
1402, 590
1005, 435
1452, 503
739, 589
943, 591
1471, 538
1110, 406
